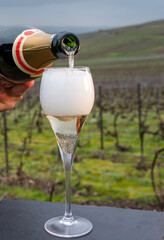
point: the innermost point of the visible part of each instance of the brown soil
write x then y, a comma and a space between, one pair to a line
121, 203
51, 187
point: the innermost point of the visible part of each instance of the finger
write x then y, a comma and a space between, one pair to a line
9, 103
20, 89
5, 79
6, 82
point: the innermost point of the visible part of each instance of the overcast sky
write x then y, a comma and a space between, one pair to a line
107, 13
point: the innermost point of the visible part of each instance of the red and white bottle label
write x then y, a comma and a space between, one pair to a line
17, 53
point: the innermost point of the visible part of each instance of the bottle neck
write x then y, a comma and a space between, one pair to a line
63, 43
37, 50
32, 51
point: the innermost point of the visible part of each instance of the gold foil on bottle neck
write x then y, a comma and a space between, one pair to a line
37, 50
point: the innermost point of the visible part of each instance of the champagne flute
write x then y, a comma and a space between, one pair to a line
67, 97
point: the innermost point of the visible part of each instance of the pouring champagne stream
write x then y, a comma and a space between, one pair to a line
67, 97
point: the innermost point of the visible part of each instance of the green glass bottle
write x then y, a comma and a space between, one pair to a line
26, 51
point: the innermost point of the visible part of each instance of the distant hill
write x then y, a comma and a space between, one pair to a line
140, 40
132, 54
74, 29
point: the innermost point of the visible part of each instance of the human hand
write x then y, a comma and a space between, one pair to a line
11, 93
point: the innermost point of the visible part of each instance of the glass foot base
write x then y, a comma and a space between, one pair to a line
76, 228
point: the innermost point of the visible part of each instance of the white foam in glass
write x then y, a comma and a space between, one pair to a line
66, 92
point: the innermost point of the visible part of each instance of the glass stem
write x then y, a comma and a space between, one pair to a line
67, 163
68, 171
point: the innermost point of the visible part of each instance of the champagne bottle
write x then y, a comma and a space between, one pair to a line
26, 51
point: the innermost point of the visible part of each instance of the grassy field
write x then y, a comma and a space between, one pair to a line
100, 177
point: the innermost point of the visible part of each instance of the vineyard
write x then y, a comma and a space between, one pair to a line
118, 161
119, 158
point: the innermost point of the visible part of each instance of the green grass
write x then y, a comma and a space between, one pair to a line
115, 177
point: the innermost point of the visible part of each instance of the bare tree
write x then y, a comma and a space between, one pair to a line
100, 122
4, 114
159, 192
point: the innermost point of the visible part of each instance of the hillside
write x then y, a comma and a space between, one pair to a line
134, 53
140, 40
